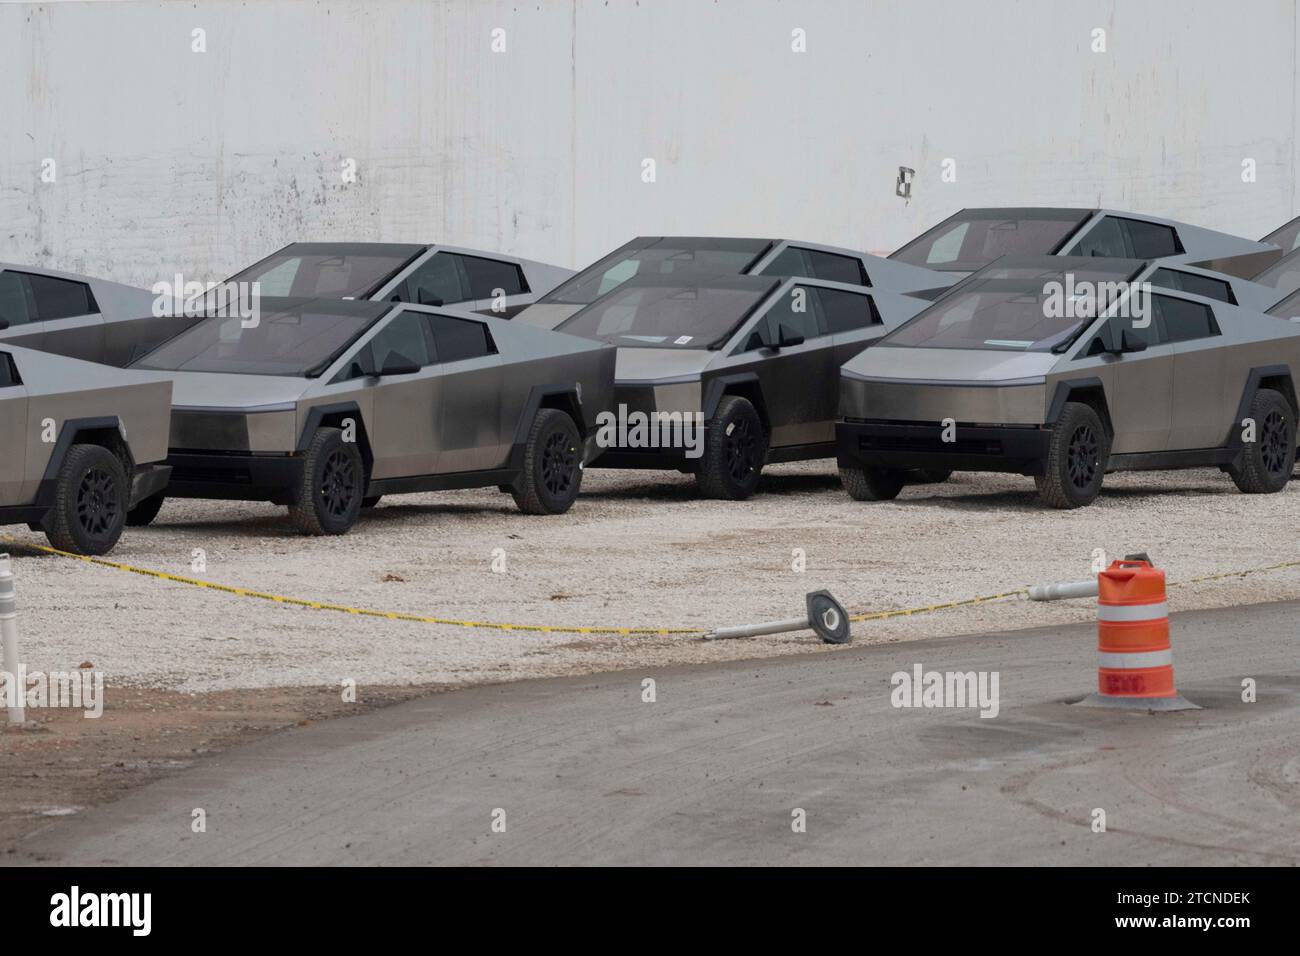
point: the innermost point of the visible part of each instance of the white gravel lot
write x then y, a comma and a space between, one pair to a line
639, 549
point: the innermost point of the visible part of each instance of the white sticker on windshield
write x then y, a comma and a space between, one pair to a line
683, 339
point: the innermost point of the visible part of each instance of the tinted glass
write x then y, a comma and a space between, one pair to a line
970, 242
1195, 284
815, 264
667, 315
296, 342
1185, 320
846, 311
1283, 275
437, 282
794, 313
309, 275
1106, 238
1150, 240
1287, 236
14, 305
486, 276
459, 339
8, 375
402, 341
1288, 308
59, 298
1005, 310
683, 258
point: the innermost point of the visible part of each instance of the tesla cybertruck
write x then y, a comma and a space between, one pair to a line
718, 375
972, 238
79, 317
686, 257
997, 376
1286, 236
325, 405
433, 275
82, 444
1283, 276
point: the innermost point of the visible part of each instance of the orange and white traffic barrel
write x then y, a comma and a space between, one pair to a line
1136, 667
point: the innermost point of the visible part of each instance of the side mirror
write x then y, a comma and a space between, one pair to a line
427, 298
397, 364
787, 337
1129, 341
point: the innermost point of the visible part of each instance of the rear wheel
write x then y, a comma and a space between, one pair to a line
1076, 458
328, 497
1267, 461
552, 473
90, 499
735, 448
872, 484
145, 511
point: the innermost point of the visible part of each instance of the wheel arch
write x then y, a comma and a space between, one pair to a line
744, 385
336, 416
1089, 391
104, 431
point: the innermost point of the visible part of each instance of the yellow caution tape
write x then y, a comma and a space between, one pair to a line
548, 628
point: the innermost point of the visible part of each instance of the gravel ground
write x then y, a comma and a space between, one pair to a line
639, 549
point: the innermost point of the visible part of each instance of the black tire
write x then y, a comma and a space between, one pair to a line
1266, 463
329, 493
371, 501
735, 449
1077, 454
872, 484
90, 499
145, 511
552, 475
934, 476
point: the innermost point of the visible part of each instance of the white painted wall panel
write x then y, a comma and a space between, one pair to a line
167, 159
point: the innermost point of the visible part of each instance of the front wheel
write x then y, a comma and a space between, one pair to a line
90, 498
1077, 453
329, 493
735, 448
552, 473
1267, 461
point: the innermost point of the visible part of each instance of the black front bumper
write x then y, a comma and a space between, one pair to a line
233, 476
1018, 449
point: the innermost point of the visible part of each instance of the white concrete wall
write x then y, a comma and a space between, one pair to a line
169, 159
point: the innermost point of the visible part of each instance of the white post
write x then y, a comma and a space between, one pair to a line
9, 632
1064, 591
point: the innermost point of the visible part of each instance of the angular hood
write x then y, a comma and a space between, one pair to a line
949, 365
656, 365
211, 390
